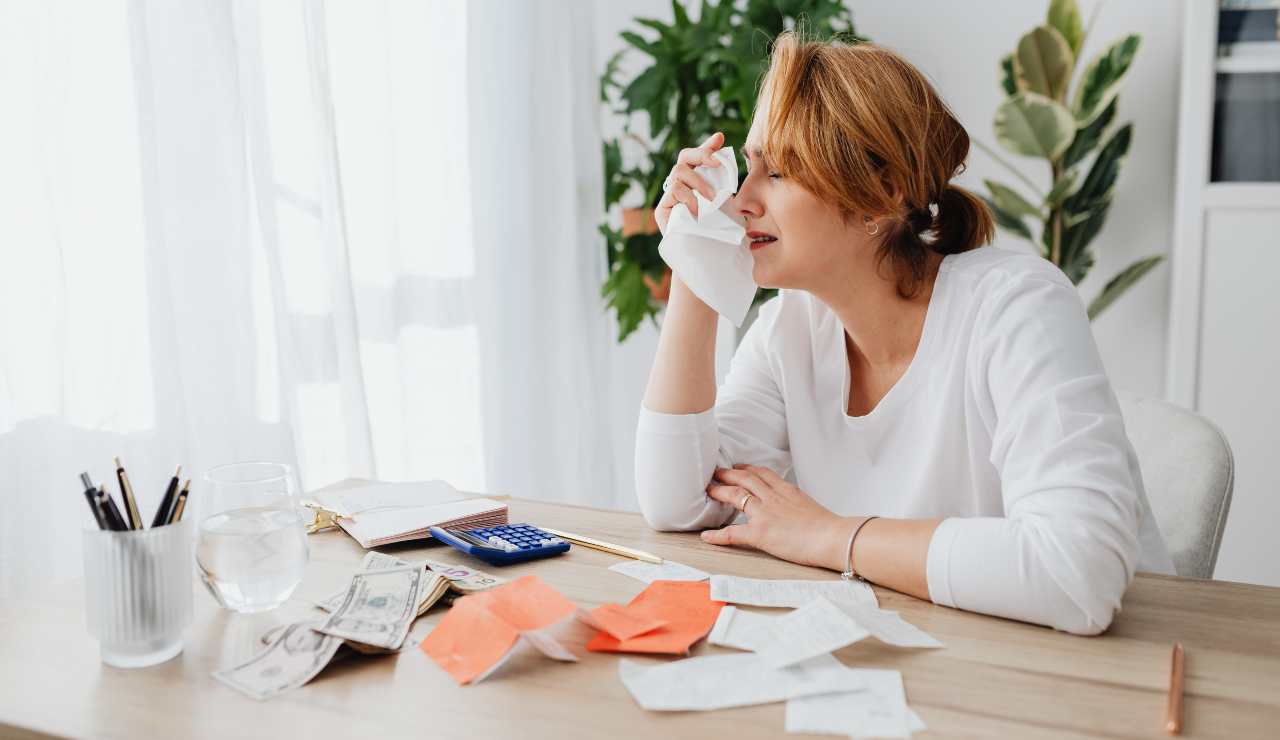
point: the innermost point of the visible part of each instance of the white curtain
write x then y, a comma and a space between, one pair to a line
357, 236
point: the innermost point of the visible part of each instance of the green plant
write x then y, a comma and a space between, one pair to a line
1038, 120
701, 78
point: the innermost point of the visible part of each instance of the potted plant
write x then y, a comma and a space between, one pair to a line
1066, 120
701, 77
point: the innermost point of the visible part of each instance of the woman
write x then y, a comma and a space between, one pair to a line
942, 405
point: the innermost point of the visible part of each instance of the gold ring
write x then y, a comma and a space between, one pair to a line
746, 498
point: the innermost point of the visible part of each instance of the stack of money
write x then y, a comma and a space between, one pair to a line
371, 616
459, 580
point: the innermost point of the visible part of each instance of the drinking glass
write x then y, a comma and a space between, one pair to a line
252, 547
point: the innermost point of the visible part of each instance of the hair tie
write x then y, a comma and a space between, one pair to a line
920, 219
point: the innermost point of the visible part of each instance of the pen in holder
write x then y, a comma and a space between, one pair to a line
138, 592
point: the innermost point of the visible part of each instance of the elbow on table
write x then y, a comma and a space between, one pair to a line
1086, 576
667, 509
663, 516
1083, 623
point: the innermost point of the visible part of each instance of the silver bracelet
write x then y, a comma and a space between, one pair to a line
848, 574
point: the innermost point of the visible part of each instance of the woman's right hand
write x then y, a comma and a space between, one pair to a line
684, 180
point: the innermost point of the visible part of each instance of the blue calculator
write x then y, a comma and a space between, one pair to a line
504, 544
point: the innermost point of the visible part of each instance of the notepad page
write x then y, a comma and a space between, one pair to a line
386, 525
393, 496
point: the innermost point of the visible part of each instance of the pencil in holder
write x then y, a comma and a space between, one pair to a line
138, 592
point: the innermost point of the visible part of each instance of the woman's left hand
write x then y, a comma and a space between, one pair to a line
782, 520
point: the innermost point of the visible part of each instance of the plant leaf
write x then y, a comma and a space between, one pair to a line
1009, 200
1088, 137
1008, 80
1077, 264
610, 69
1121, 283
1043, 63
625, 292
639, 42
1060, 189
615, 178
678, 11
1098, 184
1006, 220
1034, 125
642, 91
1064, 15
1102, 78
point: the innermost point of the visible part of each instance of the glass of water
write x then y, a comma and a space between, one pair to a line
252, 547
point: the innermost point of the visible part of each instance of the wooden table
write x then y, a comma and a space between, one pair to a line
994, 678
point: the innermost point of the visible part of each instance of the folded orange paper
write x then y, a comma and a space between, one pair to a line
617, 620
478, 633
685, 606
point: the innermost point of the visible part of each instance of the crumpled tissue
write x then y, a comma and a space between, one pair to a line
710, 252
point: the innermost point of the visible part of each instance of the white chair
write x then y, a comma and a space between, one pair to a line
1189, 473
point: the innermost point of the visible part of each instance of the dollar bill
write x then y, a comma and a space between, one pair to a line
461, 579
293, 658
436, 587
371, 561
379, 607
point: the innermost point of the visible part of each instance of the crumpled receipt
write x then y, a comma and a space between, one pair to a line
710, 252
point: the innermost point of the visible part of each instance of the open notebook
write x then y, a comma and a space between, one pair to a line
383, 513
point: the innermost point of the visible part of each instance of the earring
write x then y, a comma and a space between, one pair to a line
872, 227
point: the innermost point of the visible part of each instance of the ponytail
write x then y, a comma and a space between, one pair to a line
963, 222
957, 222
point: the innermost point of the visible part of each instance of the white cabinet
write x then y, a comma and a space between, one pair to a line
1239, 383
1224, 343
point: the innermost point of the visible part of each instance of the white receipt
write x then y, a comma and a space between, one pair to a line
738, 680
880, 711
668, 571
889, 627
746, 630
543, 640
546, 643
739, 629
757, 592
814, 629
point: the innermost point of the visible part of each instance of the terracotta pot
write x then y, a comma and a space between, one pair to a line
660, 291
638, 221
641, 221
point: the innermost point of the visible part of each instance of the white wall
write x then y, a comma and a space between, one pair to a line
959, 45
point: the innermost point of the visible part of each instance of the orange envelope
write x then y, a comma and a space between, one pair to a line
482, 628
687, 608
619, 621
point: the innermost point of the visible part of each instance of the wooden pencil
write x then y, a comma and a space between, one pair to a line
1173, 713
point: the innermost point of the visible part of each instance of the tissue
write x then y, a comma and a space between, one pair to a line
710, 252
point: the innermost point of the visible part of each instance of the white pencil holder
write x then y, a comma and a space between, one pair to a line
137, 591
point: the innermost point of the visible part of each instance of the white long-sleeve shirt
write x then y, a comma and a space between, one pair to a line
1004, 425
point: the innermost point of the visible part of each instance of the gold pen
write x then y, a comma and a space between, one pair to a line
608, 547
126, 493
180, 503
